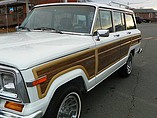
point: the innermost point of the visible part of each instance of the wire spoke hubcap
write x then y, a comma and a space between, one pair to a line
70, 107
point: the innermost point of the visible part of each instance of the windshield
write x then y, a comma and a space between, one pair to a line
61, 18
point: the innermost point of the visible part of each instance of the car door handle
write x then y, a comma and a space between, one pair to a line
128, 32
116, 35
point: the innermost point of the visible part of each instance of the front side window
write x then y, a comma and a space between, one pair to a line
106, 20
64, 18
129, 22
119, 21
103, 21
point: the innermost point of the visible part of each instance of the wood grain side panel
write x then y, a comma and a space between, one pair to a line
84, 61
125, 48
108, 46
106, 57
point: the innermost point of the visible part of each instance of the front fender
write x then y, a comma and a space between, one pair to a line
65, 78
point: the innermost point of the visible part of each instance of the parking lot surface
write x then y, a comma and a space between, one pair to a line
132, 97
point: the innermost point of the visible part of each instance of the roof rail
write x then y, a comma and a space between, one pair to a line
119, 4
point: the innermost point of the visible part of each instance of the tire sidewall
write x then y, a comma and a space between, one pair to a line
123, 71
58, 98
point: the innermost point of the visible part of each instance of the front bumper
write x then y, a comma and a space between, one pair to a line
4, 114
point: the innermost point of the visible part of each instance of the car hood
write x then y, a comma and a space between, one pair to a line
23, 50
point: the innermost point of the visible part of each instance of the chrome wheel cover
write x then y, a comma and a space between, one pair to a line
70, 106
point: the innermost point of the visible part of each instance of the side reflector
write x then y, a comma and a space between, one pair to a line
14, 106
39, 81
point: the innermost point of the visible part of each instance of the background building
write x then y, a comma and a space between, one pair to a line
12, 12
149, 14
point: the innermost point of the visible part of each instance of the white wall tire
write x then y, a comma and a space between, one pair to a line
66, 103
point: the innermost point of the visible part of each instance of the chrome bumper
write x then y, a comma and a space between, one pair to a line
4, 114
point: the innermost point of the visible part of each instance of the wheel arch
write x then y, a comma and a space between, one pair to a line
71, 81
78, 82
76, 78
132, 52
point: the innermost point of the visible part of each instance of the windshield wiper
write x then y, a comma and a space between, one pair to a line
48, 28
22, 27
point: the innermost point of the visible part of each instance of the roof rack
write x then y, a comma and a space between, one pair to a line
119, 4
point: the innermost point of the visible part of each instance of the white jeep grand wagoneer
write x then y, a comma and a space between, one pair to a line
60, 51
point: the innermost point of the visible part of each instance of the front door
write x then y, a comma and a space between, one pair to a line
107, 48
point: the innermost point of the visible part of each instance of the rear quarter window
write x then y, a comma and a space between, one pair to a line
130, 24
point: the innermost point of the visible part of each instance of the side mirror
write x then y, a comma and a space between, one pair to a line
101, 33
17, 28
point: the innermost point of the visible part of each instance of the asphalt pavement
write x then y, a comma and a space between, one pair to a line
132, 97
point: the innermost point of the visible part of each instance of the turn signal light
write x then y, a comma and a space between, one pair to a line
39, 81
14, 106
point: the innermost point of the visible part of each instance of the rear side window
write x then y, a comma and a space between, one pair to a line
119, 21
130, 24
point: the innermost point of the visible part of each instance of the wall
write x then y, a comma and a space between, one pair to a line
15, 17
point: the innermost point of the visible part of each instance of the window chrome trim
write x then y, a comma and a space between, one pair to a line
22, 95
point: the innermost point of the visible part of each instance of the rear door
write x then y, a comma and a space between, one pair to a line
123, 34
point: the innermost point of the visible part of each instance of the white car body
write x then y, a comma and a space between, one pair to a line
30, 52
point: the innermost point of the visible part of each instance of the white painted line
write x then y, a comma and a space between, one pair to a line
148, 38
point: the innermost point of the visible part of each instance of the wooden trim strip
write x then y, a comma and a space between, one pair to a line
125, 43
109, 50
96, 61
135, 41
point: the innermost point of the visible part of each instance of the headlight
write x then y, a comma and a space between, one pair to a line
12, 85
7, 84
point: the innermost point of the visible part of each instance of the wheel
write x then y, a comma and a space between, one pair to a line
66, 103
126, 70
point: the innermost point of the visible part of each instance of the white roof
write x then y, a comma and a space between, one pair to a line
88, 4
